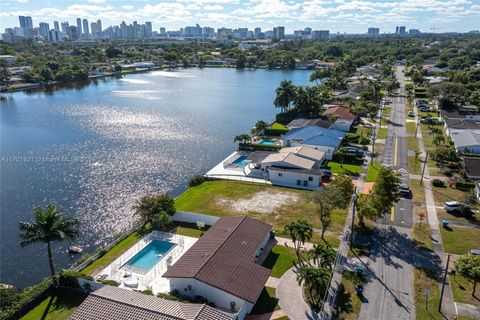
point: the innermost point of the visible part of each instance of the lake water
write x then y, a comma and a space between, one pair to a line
94, 149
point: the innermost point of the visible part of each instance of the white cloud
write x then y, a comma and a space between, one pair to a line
128, 7
214, 7
96, 1
22, 1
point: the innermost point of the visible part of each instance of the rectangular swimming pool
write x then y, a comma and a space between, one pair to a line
240, 161
149, 256
268, 141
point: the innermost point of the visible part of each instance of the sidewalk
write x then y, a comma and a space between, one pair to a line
448, 301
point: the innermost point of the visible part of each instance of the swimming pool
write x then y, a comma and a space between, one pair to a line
268, 141
149, 256
240, 161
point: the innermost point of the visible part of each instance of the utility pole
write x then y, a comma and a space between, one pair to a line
416, 128
354, 200
424, 166
443, 284
373, 143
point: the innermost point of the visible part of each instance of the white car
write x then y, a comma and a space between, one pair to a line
452, 206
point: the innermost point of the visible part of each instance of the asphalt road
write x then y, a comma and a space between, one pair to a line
388, 293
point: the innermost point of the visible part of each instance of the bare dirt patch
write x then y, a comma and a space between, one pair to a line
261, 202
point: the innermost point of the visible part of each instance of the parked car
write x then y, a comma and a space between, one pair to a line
422, 102
475, 252
411, 114
355, 150
404, 190
425, 109
452, 206
327, 173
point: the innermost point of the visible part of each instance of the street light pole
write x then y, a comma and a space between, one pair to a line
443, 284
424, 166
354, 200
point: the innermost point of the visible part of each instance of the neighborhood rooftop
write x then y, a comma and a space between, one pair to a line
312, 135
224, 257
291, 159
340, 112
115, 303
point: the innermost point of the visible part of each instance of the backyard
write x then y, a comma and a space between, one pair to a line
279, 260
460, 240
58, 307
274, 205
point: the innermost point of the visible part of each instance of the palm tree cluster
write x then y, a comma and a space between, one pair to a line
305, 100
314, 267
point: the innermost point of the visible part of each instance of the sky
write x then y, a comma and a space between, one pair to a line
344, 16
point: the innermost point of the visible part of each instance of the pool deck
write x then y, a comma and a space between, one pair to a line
148, 279
220, 172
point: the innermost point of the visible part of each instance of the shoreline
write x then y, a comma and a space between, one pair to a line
53, 84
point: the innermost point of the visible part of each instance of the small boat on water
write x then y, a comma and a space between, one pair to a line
74, 250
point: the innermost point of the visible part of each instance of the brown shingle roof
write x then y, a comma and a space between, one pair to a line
340, 112
110, 302
224, 258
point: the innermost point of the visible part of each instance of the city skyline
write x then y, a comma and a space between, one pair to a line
335, 15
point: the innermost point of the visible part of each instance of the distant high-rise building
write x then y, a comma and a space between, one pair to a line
242, 32
99, 25
86, 32
163, 31
72, 32
208, 32
278, 33
414, 31
320, 34
258, 30
93, 30
25, 22
148, 29
44, 30
224, 33
56, 26
193, 32
54, 36
373, 32
79, 28
307, 31
400, 30
65, 26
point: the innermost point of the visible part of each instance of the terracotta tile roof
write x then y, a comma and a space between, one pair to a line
110, 302
340, 112
224, 258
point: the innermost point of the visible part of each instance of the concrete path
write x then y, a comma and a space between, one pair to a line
266, 316
448, 301
468, 310
290, 297
419, 176
272, 282
289, 243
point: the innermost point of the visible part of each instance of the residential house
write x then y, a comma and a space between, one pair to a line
223, 266
307, 153
299, 122
110, 302
472, 167
466, 141
326, 140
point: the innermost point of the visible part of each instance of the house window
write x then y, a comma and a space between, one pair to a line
305, 182
279, 174
310, 178
298, 182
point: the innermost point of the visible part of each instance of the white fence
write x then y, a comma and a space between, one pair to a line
193, 217
119, 269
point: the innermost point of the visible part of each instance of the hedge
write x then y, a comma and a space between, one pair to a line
262, 147
286, 117
111, 283
464, 185
438, 183
196, 181
275, 132
68, 278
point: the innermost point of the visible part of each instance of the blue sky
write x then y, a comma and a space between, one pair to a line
351, 16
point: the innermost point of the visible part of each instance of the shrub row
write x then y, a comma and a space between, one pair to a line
464, 185
196, 181
68, 278
438, 183
275, 132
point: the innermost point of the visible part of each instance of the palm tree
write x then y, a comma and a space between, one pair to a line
286, 93
323, 255
242, 138
50, 225
260, 127
320, 74
300, 231
316, 281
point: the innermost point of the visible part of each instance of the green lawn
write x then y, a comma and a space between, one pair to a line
460, 240
58, 307
422, 236
373, 171
362, 131
414, 166
217, 197
462, 290
426, 279
278, 126
188, 229
412, 143
442, 195
348, 304
418, 192
411, 127
382, 133
350, 169
266, 303
279, 260
102, 262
